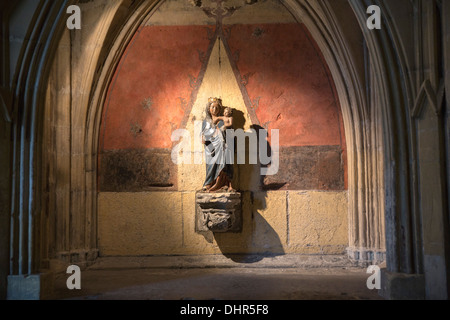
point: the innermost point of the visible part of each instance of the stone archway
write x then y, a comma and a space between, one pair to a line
381, 141
300, 230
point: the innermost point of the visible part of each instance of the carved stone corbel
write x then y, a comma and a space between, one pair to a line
218, 212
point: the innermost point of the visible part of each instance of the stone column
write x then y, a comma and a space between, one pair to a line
5, 197
38, 40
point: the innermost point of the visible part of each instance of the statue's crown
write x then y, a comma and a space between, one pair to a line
212, 100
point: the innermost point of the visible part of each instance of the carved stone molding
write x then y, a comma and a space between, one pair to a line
218, 212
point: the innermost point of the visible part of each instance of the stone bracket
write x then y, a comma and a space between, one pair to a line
218, 212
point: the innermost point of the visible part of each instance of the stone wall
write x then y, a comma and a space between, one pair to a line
274, 222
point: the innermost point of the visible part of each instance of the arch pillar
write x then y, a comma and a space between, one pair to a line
407, 74
333, 25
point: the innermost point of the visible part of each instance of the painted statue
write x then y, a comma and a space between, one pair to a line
219, 158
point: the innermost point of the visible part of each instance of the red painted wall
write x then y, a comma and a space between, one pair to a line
289, 85
159, 64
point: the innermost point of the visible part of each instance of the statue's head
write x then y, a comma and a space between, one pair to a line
214, 107
227, 112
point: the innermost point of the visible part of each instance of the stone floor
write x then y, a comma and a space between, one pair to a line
220, 278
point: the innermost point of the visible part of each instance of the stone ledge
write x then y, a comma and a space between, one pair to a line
220, 261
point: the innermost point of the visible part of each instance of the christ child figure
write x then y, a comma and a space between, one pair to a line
227, 119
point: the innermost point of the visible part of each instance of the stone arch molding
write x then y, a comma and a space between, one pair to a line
95, 54
362, 122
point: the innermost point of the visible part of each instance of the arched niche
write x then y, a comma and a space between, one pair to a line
269, 69
363, 126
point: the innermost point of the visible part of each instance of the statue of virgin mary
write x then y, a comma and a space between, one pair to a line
219, 158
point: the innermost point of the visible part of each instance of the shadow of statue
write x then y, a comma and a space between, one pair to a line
257, 239
265, 153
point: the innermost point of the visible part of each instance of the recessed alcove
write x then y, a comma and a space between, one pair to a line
268, 68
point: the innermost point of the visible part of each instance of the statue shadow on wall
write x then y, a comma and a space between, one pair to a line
258, 239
